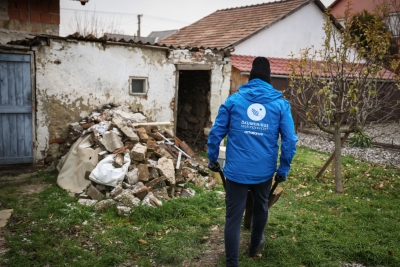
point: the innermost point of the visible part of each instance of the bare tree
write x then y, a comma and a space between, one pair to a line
339, 88
91, 25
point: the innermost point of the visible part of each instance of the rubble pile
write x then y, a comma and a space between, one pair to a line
117, 158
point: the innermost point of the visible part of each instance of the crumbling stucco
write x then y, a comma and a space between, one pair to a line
75, 77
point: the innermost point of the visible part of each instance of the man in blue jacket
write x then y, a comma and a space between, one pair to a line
253, 119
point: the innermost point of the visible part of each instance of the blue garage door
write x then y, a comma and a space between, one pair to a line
16, 145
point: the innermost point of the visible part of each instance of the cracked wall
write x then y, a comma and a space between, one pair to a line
73, 78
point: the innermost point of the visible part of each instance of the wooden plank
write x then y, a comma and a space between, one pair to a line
13, 140
15, 58
20, 129
4, 85
2, 139
14, 109
28, 141
11, 83
27, 86
18, 74
10, 160
6, 134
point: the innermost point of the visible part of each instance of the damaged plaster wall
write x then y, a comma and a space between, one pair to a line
220, 74
75, 77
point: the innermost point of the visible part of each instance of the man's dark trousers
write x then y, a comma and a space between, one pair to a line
235, 199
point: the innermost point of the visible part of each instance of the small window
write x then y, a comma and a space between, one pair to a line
137, 85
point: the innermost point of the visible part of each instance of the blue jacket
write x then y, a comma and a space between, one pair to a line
253, 119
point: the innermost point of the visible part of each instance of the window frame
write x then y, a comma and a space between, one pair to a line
145, 87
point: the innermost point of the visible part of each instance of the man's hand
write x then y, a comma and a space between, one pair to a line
279, 178
214, 166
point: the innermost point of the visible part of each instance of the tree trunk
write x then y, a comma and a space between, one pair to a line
338, 163
331, 157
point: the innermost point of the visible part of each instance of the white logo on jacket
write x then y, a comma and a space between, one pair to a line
256, 112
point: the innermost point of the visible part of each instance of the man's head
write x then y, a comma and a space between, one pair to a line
261, 70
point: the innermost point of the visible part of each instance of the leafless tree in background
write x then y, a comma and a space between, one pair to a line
89, 24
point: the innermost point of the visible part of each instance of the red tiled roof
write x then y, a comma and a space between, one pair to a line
280, 66
227, 26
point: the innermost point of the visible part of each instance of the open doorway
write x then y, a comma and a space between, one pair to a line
193, 109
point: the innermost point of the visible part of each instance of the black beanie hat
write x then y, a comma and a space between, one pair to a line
261, 70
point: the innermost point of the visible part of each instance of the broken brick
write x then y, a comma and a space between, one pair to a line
187, 149
87, 125
94, 193
142, 192
143, 173
155, 181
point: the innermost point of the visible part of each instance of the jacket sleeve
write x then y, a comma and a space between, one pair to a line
288, 141
218, 132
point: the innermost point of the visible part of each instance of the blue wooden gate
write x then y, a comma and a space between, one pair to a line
16, 144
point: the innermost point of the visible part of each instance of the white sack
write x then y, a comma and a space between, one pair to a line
105, 173
81, 158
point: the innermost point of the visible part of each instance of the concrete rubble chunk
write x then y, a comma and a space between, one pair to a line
126, 185
111, 141
188, 192
5, 216
104, 204
93, 193
143, 173
161, 193
133, 176
133, 117
142, 192
124, 211
87, 202
151, 145
126, 198
167, 168
199, 181
137, 186
128, 131
116, 191
153, 173
138, 152
118, 161
155, 181
203, 170
151, 201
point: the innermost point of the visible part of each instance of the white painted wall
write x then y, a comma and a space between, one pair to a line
297, 31
75, 77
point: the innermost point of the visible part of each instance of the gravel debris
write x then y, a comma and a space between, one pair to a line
388, 133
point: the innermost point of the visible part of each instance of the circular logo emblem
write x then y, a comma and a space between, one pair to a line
256, 112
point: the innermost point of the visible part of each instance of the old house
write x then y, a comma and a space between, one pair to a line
48, 82
273, 30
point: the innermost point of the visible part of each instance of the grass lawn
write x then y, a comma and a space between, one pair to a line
310, 225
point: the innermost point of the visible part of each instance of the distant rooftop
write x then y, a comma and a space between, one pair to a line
228, 26
154, 36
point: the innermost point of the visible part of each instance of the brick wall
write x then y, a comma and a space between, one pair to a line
30, 16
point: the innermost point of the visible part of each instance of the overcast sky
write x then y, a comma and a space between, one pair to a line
158, 15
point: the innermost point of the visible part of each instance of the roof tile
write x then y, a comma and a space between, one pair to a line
228, 26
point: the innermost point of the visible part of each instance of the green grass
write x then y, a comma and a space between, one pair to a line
310, 225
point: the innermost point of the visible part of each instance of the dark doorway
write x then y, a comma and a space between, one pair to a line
193, 107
